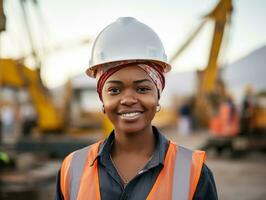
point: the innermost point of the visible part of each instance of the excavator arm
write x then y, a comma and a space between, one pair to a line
16, 75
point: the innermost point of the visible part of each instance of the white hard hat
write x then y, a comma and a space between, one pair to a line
124, 40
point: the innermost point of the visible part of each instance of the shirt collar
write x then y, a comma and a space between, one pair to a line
160, 150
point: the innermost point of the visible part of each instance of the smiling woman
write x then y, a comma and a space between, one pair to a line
136, 161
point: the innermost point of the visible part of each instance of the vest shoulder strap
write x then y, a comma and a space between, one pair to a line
179, 177
187, 171
198, 160
75, 171
181, 181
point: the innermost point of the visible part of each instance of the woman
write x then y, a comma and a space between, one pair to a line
136, 161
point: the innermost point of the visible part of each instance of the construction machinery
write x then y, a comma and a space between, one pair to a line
50, 119
209, 81
211, 91
59, 129
16, 75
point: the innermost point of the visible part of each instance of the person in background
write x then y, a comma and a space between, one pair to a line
28, 118
8, 121
136, 161
226, 121
247, 120
229, 117
184, 122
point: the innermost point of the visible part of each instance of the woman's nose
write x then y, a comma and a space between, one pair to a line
128, 99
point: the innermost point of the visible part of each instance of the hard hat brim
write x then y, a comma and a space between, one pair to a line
92, 70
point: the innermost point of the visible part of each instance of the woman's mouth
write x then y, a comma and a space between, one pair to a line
130, 115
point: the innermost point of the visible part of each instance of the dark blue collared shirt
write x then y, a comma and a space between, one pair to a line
111, 185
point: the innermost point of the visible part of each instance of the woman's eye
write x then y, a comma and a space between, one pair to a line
143, 89
113, 91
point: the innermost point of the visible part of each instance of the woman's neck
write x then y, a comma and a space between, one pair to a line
142, 142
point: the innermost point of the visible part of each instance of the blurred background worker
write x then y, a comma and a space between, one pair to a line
8, 121
248, 105
185, 118
226, 121
28, 118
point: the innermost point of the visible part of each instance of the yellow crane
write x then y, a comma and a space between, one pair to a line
209, 81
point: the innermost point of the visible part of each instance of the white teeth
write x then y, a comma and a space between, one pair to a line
133, 114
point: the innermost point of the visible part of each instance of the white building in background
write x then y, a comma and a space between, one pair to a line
250, 69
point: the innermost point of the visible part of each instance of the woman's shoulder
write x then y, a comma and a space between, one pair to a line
206, 188
186, 149
83, 151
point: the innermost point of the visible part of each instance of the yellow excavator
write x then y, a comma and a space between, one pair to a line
50, 118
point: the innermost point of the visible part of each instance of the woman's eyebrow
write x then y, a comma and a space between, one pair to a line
114, 81
142, 80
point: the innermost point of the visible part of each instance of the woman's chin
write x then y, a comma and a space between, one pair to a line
131, 128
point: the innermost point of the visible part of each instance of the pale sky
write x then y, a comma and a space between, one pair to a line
65, 22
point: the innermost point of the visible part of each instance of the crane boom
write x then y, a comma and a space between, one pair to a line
221, 15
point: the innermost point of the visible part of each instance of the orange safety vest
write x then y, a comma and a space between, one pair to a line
224, 124
177, 180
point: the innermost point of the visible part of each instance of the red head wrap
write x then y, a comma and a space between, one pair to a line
154, 71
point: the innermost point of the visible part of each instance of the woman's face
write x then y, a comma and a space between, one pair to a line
130, 99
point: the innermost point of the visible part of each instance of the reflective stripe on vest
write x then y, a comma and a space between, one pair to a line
76, 168
182, 174
182, 169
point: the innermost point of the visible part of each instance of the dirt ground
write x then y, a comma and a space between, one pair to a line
242, 178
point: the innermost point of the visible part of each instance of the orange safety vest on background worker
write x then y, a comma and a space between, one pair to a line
177, 180
225, 123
